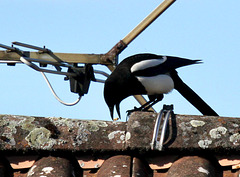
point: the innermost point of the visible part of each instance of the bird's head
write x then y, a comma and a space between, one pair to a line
112, 97
117, 87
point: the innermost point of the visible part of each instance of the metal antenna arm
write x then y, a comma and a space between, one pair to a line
26, 61
7, 47
32, 47
111, 56
147, 21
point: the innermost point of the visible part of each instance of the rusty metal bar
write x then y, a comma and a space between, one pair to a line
65, 57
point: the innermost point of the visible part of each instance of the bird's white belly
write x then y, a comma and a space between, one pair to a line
157, 84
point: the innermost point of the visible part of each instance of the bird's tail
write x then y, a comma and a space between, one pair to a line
176, 62
191, 96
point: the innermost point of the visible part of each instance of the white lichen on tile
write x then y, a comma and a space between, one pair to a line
122, 139
197, 123
128, 136
94, 126
135, 124
47, 170
216, 133
204, 143
112, 134
118, 133
235, 125
40, 138
186, 128
31, 171
117, 176
203, 170
61, 141
9, 128
235, 138
82, 134
27, 124
102, 124
71, 124
62, 122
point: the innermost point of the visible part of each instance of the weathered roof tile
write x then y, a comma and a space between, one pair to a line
193, 145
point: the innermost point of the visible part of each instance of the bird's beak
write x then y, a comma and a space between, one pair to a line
118, 110
112, 111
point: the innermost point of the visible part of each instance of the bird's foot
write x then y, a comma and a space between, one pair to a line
132, 110
129, 112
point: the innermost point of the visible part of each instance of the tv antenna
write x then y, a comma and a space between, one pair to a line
81, 76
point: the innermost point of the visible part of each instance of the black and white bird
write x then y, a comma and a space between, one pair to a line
142, 74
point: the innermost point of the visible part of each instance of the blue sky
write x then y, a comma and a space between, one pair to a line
199, 29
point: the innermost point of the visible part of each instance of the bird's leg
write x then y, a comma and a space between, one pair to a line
141, 108
150, 104
153, 100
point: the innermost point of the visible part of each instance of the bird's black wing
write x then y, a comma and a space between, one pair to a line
162, 65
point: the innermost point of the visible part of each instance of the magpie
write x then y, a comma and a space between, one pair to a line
142, 74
